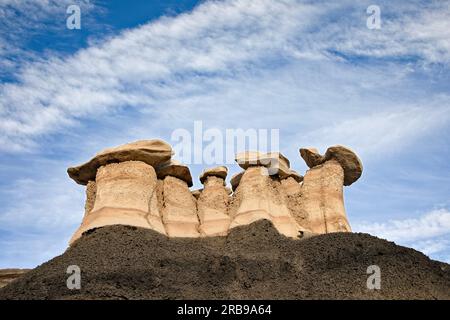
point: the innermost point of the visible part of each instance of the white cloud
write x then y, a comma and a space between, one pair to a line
186, 56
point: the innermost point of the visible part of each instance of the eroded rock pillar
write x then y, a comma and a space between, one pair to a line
259, 196
179, 209
125, 193
213, 202
322, 197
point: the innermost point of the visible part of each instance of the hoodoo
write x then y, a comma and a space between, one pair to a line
139, 184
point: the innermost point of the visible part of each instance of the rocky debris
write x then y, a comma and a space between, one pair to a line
312, 157
349, 161
252, 262
259, 196
212, 207
124, 194
9, 275
179, 212
220, 172
175, 169
236, 179
152, 152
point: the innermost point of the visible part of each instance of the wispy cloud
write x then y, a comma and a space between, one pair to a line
172, 57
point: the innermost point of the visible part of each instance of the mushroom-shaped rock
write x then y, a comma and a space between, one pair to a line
151, 152
212, 207
259, 196
175, 169
179, 209
349, 161
236, 179
125, 193
312, 157
220, 172
275, 162
322, 201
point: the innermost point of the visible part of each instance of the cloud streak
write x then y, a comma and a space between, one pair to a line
172, 57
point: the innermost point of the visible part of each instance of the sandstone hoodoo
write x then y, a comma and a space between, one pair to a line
139, 184
275, 235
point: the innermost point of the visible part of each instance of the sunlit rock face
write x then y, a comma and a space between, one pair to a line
139, 184
123, 193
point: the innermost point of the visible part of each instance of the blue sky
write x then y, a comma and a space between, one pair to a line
141, 69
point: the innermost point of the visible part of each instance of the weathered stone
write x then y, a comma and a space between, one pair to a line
260, 196
212, 208
322, 202
312, 157
349, 161
125, 194
180, 211
91, 190
236, 179
151, 152
275, 162
175, 169
220, 172
293, 174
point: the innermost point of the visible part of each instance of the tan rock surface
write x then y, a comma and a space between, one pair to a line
212, 208
180, 210
220, 172
175, 169
322, 201
152, 152
349, 161
125, 194
260, 196
293, 174
312, 157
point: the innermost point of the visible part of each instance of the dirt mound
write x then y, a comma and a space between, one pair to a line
252, 262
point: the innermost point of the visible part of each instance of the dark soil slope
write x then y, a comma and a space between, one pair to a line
253, 262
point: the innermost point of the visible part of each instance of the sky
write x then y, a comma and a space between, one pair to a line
314, 70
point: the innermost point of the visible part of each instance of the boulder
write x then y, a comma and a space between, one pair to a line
349, 161
312, 157
175, 169
152, 152
220, 172
274, 161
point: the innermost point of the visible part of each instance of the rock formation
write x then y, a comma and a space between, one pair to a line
138, 184
322, 189
212, 203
